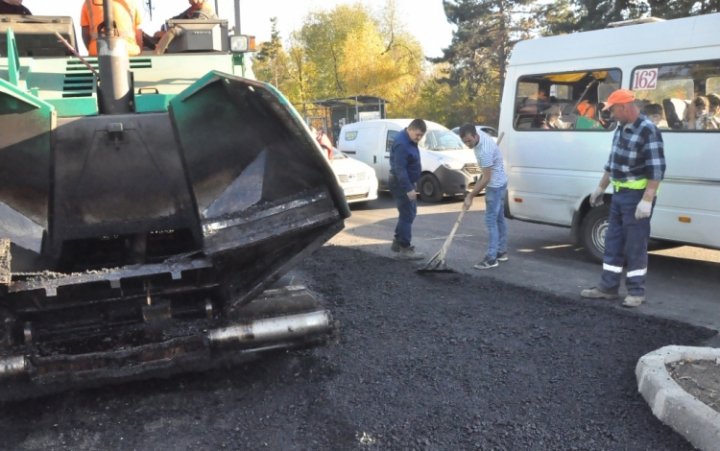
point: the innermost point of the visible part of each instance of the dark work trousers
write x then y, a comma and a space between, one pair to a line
407, 210
626, 242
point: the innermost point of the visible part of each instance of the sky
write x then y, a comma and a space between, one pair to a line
427, 22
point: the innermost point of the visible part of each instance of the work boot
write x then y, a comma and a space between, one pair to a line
597, 293
408, 253
633, 301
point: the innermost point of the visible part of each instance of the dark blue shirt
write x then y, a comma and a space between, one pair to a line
405, 161
637, 152
6, 8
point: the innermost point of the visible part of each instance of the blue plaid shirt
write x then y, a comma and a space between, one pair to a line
637, 152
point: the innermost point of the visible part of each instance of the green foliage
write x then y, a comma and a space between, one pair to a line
343, 52
596, 14
347, 51
673, 9
271, 63
559, 17
478, 54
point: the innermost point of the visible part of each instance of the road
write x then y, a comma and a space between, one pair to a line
418, 364
683, 282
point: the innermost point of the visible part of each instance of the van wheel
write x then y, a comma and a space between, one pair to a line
429, 188
592, 232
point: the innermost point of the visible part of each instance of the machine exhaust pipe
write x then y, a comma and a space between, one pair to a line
275, 329
13, 366
115, 93
260, 334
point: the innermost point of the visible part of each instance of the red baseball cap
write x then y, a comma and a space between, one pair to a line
619, 96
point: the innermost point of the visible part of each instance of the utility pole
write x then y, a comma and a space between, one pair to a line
237, 17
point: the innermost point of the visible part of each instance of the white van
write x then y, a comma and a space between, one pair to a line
553, 170
448, 167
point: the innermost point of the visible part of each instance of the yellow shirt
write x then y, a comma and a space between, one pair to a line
126, 15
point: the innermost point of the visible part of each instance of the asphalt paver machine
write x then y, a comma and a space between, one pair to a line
148, 206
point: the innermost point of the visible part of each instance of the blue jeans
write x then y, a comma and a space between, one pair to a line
495, 221
626, 242
407, 210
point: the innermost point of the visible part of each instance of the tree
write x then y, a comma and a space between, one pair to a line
596, 14
478, 53
558, 17
271, 62
350, 52
322, 38
672, 9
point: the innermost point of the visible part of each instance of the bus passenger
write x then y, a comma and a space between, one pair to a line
712, 119
635, 185
699, 117
126, 16
552, 119
587, 109
654, 112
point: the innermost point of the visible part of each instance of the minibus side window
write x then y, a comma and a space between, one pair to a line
680, 97
564, 101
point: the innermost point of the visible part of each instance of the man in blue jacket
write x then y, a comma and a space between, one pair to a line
405, 171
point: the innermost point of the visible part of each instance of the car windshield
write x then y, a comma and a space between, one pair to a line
489, 130
439, 139
337, 155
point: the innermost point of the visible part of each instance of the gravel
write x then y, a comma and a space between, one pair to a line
425, 362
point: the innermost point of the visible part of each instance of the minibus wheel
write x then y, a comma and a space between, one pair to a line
429, 188
592, 231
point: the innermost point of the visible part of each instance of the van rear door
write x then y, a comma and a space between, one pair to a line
387, 138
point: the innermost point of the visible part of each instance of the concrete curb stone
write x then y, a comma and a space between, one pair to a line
670, 403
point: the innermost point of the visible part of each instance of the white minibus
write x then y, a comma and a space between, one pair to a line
557, 141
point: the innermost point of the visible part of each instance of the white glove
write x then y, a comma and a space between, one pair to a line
596, 198
643, 210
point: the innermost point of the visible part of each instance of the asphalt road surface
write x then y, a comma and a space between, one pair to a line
423, 362
683, 282
508, 358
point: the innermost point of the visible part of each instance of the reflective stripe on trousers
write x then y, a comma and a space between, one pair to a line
626, 243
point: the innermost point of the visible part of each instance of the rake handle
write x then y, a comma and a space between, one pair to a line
448, 240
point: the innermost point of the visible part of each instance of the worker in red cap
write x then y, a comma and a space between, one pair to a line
635, 168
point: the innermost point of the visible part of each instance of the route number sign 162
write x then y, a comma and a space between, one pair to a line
645, 79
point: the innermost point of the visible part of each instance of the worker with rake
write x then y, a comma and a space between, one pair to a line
494, 182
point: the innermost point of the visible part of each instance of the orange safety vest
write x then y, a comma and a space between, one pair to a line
126, 16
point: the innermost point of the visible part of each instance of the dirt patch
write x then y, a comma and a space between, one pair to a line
425, 362
700, 378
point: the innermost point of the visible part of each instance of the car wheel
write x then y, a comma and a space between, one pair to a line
429, 188
592, 232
